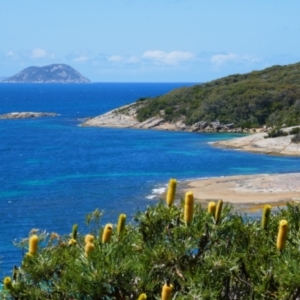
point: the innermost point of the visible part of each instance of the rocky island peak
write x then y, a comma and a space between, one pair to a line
55, 73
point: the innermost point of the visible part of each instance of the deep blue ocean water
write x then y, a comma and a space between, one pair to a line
53, 172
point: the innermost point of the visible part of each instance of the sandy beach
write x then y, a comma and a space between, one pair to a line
247, 190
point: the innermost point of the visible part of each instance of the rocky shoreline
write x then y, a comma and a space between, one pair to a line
125, 117
23, 115
257, 143
244, 192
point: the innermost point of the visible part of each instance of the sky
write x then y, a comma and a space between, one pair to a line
149, 40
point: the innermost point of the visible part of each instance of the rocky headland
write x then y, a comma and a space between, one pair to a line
23, 115
126, 117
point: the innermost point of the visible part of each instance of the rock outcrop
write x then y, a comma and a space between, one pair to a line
56, 73
125, 117
23, 115
258, 143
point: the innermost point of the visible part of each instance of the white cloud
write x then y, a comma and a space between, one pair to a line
170, 58
133, 59
221, 59
81, 58
38, 53
9, 53
115, 58
123, 59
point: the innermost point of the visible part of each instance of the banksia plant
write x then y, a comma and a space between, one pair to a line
282, 234
166, 293
89, 248
142, 296
7, 283
54, 236
121, 223
72, 242
218, 211
171, 192
74, 231
89, 238
211, 208
33, 244
107, 233
265, 216
188, 208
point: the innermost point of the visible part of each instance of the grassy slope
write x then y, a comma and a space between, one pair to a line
270, 96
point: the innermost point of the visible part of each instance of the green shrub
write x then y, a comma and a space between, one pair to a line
295, 130
275, 132
232, 259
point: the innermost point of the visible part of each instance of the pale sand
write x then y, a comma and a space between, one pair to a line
247, 189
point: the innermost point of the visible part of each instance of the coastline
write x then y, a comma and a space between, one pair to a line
257, 143
242, 191
254, 141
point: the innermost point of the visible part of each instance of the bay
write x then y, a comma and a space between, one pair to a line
53, 172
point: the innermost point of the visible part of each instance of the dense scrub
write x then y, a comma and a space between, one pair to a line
198, 254
270, 96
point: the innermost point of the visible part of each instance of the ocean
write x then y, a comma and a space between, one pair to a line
53, 172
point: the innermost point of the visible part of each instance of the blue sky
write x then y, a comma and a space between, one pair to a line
149, 40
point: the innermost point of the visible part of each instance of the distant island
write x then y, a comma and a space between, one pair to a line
55, 73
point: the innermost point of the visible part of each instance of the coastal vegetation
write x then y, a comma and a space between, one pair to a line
277, 131
268, 97
169, 251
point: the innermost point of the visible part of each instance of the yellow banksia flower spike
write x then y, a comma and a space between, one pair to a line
166, 293
107, 233
121, 223
171, 192
218, 211
72, 242
188, 208
265, 216
282, 234
89, 238
74, 231
142, 296
7, 283
33, 244
89, 248
211, 208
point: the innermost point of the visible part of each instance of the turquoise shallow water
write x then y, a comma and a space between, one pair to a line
54, 172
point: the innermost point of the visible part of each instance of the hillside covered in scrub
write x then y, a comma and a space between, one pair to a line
270, 96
